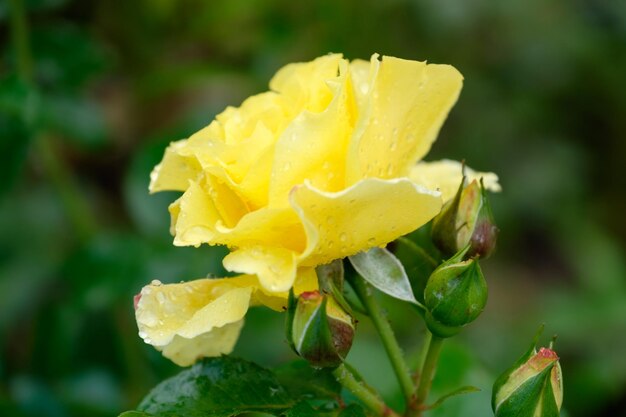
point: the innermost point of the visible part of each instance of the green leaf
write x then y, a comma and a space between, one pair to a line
216, 387
384, 271
353, 410
460, 391
303, 381
302, 409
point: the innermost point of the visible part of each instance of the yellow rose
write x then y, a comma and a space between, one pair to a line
321, 167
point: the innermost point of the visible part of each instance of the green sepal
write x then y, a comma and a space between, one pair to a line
455, 295
444, 229
459, 391
317, 343
330, 276
291, 312
524, 400
549, 408
501, 380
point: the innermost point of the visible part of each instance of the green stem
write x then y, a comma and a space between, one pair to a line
418, 359
364, 292
363, 393
428, 372
19, 29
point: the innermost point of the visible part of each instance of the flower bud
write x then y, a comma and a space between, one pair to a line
455, 295
319, 329
466, 219
532, 387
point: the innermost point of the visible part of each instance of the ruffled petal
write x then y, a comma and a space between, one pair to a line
406, 104
445, 175
371, 213
275, 267
314, 145
303, 84
219, 341
175, 170
194, 217
180, 313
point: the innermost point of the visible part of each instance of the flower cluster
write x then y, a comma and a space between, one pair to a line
324, 165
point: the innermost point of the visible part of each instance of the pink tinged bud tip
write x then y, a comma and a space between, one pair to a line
310, 295
136, 299
548, 354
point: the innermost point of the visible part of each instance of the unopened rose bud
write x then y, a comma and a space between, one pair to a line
455, 295
466, 219
319, 329
532, 387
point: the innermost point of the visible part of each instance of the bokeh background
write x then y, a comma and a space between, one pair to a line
91, 92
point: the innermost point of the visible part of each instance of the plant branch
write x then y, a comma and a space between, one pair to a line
427, 373
364, 292
370, 399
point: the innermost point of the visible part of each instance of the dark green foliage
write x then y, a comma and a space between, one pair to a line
217, 387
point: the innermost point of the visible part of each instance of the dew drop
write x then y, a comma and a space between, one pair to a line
160, 298
343, 237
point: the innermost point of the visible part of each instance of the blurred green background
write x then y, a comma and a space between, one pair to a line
91, 92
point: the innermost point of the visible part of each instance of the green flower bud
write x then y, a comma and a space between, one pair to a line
533, 387
319, 329
466, 219
455, 295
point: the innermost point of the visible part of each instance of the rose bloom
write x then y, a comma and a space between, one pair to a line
322, 166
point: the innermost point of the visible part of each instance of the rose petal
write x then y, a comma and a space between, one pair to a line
372, 212
219, 341
194, 217
188, 310
314, 145
275, 267
406, 105
445, 175
175, 170
303, 84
